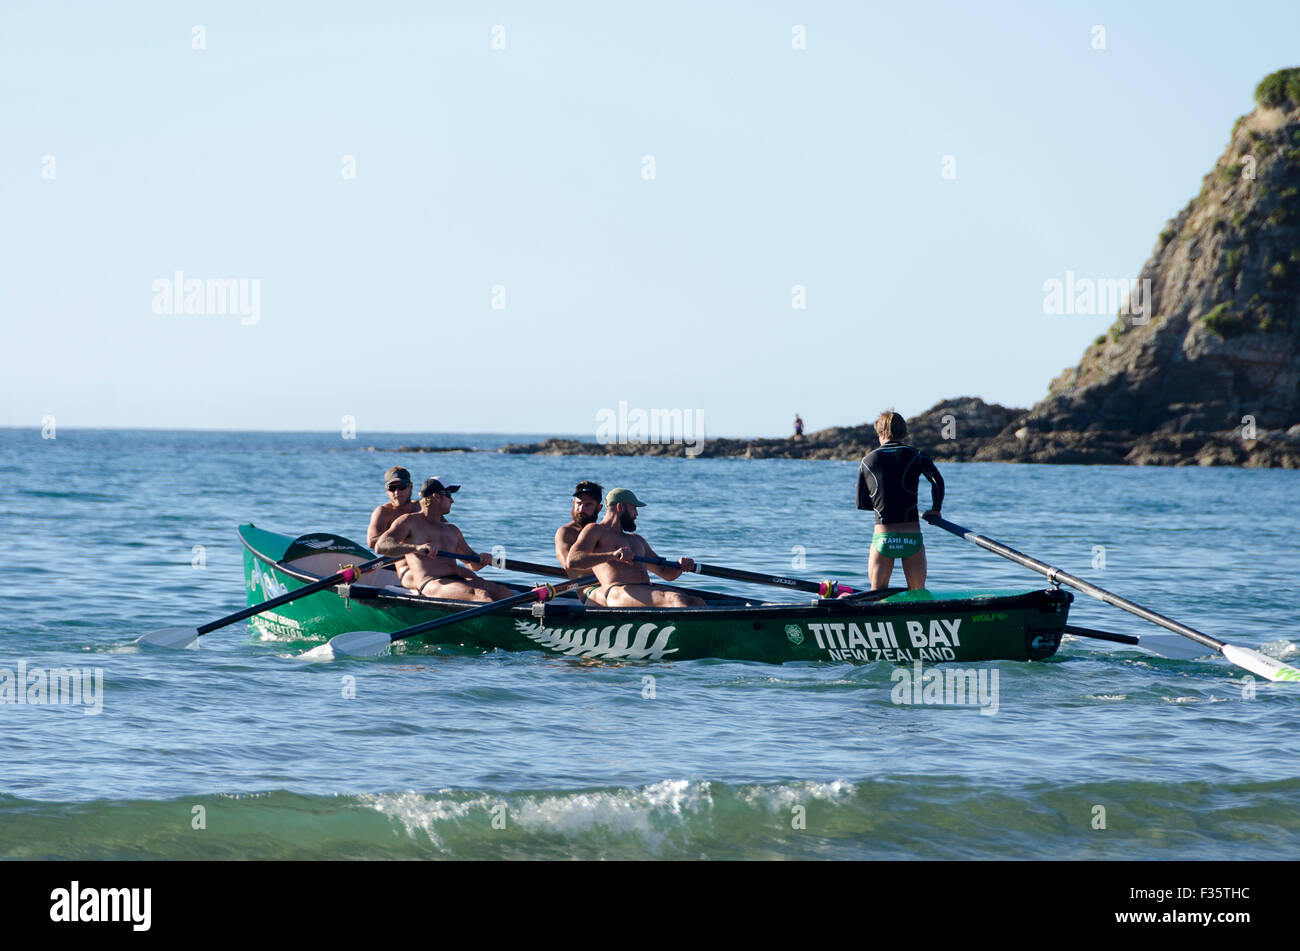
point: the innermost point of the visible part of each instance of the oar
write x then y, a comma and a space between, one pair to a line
825, 589
1162, 645
527, 567
553, 571
178, 638
371, 643
1102, 635
1252, 660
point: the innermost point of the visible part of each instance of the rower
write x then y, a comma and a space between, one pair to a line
609, 549
397, 482
888, 479
419, 536
585, 509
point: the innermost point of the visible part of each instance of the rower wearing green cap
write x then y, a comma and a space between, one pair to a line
609, 549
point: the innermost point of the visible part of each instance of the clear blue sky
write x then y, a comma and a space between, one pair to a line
522, 167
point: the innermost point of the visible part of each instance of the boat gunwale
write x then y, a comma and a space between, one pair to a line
821, 607
812, 607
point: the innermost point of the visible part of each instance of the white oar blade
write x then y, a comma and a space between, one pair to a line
360, 644
1174, 646
173, 638
1267, 667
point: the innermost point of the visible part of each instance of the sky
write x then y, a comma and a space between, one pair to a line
510, 217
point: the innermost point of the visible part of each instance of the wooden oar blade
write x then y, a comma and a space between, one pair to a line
360, 644
1267, 667
172, 638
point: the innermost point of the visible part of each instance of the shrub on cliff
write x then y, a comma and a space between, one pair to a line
1225, 323
1280, 90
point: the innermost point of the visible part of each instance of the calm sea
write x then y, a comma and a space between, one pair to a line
1103, 752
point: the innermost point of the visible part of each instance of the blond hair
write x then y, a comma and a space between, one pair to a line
889, 425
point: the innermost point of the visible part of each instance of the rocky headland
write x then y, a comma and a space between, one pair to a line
1210, 374
1202, 366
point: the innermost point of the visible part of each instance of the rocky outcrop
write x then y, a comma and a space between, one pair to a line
1202, 367
953, 430
1209, 373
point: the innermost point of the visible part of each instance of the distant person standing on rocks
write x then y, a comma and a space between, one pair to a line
798, 427
888, 480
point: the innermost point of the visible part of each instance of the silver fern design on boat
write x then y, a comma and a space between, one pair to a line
320, 544
602, 642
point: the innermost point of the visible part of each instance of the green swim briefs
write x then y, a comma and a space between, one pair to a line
896, 544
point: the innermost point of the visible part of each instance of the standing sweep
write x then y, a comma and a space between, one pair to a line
888, 479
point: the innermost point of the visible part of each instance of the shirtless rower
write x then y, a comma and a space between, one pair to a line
397, 481
419, 535
586, 508
608, 549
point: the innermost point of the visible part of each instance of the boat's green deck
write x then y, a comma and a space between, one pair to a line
954, 594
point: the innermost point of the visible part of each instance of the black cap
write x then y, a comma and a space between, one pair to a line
589, 488
432, 487
397, 474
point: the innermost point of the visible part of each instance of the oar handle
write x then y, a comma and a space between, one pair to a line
541, 593
348, 575
457, 556
507, 564
529, 567
1057, 576
825, 589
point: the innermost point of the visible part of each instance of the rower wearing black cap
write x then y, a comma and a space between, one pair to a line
585, 510
421, 535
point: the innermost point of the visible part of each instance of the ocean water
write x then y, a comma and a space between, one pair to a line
239, 750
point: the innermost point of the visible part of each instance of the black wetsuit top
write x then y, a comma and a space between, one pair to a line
888, 479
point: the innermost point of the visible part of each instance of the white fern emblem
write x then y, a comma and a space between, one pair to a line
602, 642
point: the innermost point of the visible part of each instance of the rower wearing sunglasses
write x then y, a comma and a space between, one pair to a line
397, 482
419, 536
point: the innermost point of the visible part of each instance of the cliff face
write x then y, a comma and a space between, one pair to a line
1211, 373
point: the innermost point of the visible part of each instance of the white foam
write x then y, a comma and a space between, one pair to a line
782, 797
619, 810
417, 812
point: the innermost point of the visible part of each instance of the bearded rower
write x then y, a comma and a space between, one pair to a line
609, 548
586, 508
420, 535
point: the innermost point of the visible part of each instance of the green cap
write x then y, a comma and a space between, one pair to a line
626, 496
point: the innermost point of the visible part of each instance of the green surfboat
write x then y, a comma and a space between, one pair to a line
897, 625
